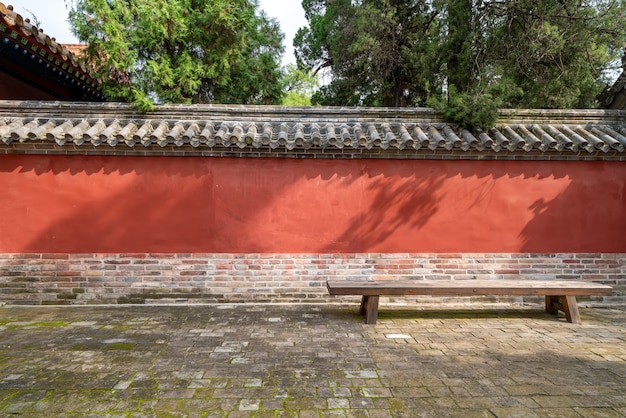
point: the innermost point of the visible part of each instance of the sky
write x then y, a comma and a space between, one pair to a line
52, 15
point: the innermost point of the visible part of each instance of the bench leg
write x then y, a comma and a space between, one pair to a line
363, 308
550, 304
571, 309
567, 304
369, 308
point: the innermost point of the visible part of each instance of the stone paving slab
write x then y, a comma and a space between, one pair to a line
310, 361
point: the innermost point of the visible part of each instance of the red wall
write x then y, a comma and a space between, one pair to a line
87, 204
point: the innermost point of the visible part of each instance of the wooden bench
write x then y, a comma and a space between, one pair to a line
560, 295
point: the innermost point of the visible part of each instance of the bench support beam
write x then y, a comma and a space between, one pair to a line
554, 304
369, 308
567, 304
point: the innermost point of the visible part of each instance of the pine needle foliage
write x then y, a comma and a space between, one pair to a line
465, 57
181, 51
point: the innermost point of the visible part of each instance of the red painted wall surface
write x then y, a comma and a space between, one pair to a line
84, 204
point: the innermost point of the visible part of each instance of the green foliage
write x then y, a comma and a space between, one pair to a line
298, 86
558, 53
293, 98
181, 51
458, 49
380, 52
468, 110
485, 54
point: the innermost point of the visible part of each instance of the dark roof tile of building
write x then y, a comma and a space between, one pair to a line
45, 51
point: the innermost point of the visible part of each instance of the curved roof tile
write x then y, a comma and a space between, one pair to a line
584, 133
22, 36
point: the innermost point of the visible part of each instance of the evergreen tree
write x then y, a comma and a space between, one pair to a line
181, 51
557, 54
298, 86
465, 57
459, 49
381, 53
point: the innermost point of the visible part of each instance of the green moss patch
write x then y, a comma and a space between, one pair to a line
49, 324
118, 346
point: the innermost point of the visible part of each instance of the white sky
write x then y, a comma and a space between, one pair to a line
52, 15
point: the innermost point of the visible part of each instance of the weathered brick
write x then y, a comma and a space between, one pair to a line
55, 256
40, 278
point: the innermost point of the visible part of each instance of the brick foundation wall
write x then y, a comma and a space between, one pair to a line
211, 278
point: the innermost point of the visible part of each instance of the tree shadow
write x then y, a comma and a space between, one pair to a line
587, 216
83, 204
104, 204
397, 203
445, 206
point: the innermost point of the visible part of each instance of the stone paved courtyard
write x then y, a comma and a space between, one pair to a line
310, 361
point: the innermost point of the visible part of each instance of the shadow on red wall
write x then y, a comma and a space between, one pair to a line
92, 204
86, 204
587, 216
402, 204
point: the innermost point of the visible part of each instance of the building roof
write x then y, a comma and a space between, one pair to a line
105, 128
30, 55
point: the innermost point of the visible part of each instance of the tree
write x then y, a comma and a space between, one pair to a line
557, 53
459, 51
175, 51
298, 86
379, 52
466, 57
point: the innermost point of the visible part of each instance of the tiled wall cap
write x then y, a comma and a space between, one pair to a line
288, 128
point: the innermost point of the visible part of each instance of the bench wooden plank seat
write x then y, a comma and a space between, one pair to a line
560, 294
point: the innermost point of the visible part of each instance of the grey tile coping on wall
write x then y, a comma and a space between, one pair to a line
89, 127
